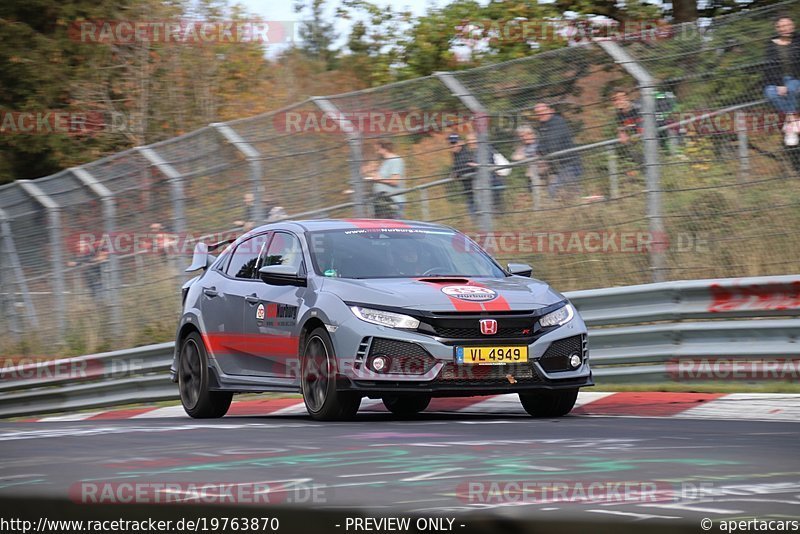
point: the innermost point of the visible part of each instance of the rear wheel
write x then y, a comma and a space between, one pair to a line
549, 403
193, 373
318, 381
406, 405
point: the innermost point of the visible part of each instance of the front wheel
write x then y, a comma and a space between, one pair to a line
549, 403
406, 405
318, 381
196, 398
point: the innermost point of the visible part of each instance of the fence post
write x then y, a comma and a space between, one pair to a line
740, 121
613, 172
355, 143
109, 220
536, 182
11, 256
176, 186
425, 204
9, 302
56, 250
647, 85
483, 187
177, 196
253, 158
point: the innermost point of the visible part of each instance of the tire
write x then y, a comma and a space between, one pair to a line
193, 374
406, 405
318, 381
549, 403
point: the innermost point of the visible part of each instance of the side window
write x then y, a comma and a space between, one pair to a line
284, 249
243, 260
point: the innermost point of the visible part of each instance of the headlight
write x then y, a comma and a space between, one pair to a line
385, 318
557, 318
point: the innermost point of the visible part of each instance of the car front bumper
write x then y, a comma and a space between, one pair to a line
429, 364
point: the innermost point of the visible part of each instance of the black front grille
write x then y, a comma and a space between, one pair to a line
475, 332
556, 357
487, 375
454, 327
406, 358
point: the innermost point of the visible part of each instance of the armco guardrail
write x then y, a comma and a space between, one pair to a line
635, 332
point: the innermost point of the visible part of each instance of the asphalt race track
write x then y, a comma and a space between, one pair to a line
436, 464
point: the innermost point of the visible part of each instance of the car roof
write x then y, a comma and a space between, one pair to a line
312, 225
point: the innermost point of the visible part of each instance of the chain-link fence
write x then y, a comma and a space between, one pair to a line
622, 161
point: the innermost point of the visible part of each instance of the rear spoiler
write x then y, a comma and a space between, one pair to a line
201, 259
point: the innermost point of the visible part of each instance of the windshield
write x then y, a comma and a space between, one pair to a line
398, 253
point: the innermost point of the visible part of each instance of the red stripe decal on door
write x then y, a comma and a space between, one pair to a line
224, 342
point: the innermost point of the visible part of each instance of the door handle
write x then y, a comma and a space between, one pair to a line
252, 299
210, 291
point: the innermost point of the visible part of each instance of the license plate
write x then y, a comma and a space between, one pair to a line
491, 355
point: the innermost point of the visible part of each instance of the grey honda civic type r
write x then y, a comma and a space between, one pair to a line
402, 311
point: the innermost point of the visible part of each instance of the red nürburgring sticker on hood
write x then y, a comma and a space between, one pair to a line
470, 293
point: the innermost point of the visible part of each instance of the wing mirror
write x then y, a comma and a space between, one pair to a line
520, 269
201, 259
282, 275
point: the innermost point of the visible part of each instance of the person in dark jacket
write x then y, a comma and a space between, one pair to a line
782, 76
554, 136
496, 181
465, 168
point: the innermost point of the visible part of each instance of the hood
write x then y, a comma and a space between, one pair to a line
513, 293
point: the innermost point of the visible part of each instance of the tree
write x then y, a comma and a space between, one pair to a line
316, 34
375, 42
139, 91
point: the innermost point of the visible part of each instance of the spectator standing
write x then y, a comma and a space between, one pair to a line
464, 168
528, 148
554, 136
782, 76
497, 183
629, 126
89, 260
388, 181
271, 212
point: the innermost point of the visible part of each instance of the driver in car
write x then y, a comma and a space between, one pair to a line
406, 258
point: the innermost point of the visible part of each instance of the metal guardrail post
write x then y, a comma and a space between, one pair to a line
483, 186
740, 123
56, 250
109, 220
355, 142
253, 157
647, 85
